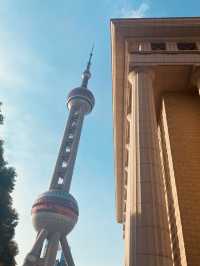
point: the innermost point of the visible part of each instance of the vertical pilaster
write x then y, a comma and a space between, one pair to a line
171, 46
150, 237
195, 78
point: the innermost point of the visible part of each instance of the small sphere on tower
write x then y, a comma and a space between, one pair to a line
81, 97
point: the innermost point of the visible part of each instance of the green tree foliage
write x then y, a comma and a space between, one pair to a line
8, 215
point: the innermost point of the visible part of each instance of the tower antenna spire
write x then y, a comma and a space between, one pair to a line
87, 74
90, 58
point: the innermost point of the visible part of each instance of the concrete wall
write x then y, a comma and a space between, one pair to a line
180, 127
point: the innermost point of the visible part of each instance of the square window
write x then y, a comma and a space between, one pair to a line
158, 46
64, 164
186, 46
60, 181
71, 136
68, 149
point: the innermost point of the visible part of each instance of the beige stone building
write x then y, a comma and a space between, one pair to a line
156, 110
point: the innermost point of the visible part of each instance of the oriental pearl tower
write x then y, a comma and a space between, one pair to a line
55, 212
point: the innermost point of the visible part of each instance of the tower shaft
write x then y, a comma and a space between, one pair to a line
63, 171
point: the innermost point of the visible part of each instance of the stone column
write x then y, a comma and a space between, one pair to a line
150, 237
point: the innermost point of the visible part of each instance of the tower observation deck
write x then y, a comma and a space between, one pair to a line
55, 212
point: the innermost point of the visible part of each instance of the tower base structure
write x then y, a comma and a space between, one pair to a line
34, 256
156, 111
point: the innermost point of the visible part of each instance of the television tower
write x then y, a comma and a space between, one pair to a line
55, 212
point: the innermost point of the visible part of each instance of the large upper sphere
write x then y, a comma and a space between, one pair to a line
81, 97
56, 211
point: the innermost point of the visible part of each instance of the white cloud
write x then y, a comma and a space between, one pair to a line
127, 12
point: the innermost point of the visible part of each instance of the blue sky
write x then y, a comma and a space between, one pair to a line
43, 49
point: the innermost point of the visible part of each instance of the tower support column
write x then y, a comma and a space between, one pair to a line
34, 255
149, 236
67, 252
52, 248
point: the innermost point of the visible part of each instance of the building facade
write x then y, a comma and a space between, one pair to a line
156, 112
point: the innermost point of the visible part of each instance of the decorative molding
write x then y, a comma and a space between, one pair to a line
164, 59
